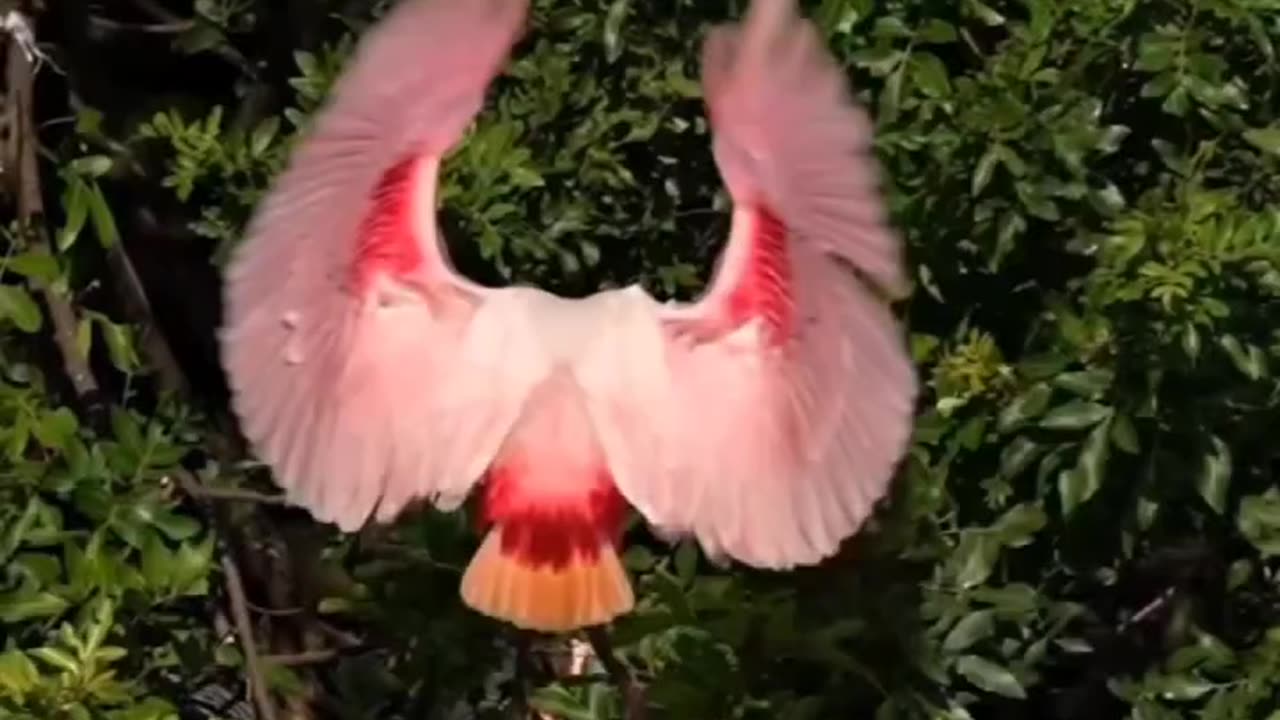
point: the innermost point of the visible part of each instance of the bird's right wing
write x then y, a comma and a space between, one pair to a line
768, 417
364, 370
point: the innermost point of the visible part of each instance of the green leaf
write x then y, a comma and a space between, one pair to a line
173, 525
686, 561
1012, 601
930, 75
156, 562
16, 532
18, 675
1215, 476
559, 702
1016, 527
1027, 406
879, 61
983, 170
19, 308
120, 347
1259, 521
59, 659
191, 567
102, 620
1183, 688
613, 28
974, 558
1123, 434
75, 205
56, 428
990, 677
638, 558
1075, 415
937, 31
20, 606
1250, 361
1265, 139
1018, 456
92, 166
104, 222
39, 266
1088, 384
1077, 485
263, 135
972, 628
984, 12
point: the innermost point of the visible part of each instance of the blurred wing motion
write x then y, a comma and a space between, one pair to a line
351, 345
768, 417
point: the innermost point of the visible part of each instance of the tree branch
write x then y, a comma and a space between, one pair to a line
233, 495
21, 160
249, 645
176, 26
306, 657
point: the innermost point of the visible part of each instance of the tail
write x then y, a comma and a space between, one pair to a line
589, 587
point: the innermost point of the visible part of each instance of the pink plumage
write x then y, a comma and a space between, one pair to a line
766, 418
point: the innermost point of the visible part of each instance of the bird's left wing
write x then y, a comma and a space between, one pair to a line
364, 370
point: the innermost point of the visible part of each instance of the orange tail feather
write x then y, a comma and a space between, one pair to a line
591, 589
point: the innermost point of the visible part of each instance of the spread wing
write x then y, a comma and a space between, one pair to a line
768, 417
349, 341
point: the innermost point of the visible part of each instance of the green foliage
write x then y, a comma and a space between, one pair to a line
1087, 524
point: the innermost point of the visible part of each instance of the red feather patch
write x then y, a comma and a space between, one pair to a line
765, 288
386, 245
552, 532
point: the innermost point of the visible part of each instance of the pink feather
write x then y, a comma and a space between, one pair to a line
768, 417
342, 313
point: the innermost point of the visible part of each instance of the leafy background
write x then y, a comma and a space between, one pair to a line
1087, 524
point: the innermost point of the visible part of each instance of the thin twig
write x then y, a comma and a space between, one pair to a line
233, 495
345, 639
1149, 609
248, 645
161, 14
137, 306
163, 28
274, 612
239, 603
306, 657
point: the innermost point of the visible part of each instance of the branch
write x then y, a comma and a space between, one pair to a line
176, 26
1149, 609
163, 16
307, 657
21, 158
137, 308
244, 630
239, 603
230, 494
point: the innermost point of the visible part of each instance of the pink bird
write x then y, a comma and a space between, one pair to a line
766, 418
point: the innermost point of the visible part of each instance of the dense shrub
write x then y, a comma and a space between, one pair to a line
1087, 525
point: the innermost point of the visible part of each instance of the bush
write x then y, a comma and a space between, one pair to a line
1088, 522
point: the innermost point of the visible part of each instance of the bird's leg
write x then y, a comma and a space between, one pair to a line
634, 696
524, 673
